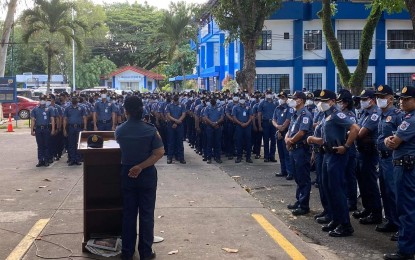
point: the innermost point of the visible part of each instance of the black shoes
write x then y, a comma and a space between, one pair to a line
152, 256
319, 215
386, 227
249, 160
343, 230
40, 164
329, 227
352, 208
209, 161
395, 237
280, 174
218, 160
371, 219
397, 256
323, 220
273, 160
266, 160
293, 206
169, 161
289, 177
182, 161
361, 214
230, 157
238, 160
257, 157
300, 211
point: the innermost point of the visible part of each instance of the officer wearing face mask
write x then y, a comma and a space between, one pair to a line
42, 126
256, 134
265, 112
300, 128
175, 114
230, 128
368, 158
389, 121
312, 108
242, 116
105, 114
281, 121
213, 116
335, 126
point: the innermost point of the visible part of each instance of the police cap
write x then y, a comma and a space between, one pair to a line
95, 141
326, 95
384, 90
298, 94
367, 94
407, 92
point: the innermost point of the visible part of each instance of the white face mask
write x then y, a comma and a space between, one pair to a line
230, 101
242, 101
252, 99
222, 102
47, 103
315, 103
364, 104
292, 103
268, 96
190, 98
382, 102
103, 95
282, 101
309, 102
323, 107
42, 102
235, 99
208, 104
261, 100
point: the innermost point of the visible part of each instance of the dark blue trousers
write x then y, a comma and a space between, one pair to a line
284, 157
139, 198
334, 184
229, 138
243, 140
175, 141
73, 134
351, 181
367, 178
257, 141
213, 137
107, 126
300, 161
320, 163
269, 139
42, 140
405, 201
388, 189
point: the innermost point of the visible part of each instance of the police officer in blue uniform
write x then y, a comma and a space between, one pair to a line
74, 120
390, 119
368, 159
105, 114
138, 179
335, 126
265, 112
42, 126
301, 127
281, 121
242, 116
403, 145
256, 134
213, 116
175, 114
229, 135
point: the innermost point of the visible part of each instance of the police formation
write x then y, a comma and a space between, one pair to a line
351, 142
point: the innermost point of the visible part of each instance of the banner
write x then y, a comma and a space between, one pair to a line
8, 90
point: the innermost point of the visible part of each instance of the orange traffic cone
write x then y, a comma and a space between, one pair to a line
10, 125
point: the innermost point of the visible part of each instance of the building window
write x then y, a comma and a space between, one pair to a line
401, 39
349, 39
265, 40
367, 82
313, 38
275, 82
399, 80
313, 81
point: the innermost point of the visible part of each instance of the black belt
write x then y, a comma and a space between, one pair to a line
328, 149
407, 161
105, 121
385, 154
298, 145
316, 149
75, 125
43, 126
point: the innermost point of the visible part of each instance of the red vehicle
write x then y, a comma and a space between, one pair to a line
24, 106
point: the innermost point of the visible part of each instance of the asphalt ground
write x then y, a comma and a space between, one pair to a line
200, 210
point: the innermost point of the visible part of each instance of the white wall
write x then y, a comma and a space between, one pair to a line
282, 49
314, 54
399, 53
286, 70
129, 76
354, 25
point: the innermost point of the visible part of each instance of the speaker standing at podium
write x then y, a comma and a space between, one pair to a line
141, 147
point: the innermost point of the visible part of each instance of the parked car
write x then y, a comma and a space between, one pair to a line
24, 106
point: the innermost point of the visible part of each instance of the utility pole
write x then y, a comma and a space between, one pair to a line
73, 55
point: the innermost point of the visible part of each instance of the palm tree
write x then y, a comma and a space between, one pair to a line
51, 19
177, 30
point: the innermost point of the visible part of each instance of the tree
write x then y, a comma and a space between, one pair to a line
187, 59
7, 28
52, 19
245, 20
88, 74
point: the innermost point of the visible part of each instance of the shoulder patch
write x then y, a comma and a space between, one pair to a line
341, 115
388, 119
404, 126
291, 110
303, 113
397, 111
408, 116
305, 120
374, 117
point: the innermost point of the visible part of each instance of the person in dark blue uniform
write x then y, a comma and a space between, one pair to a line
265, 112
229, 135
175, 113
309, 104
242, 116
42, 126
105, 114
74, 120
301, 127
141, 147
214, 116
256, 134
389, 121
281, 121
403, 145
335, 126
368, 159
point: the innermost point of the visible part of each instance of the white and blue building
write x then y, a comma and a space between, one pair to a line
133, 78
293, 53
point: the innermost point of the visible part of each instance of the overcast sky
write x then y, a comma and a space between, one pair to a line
158, 3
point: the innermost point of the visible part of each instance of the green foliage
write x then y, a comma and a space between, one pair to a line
229, 84
184, 55
391, 6
191, 84
88, 74
167, 88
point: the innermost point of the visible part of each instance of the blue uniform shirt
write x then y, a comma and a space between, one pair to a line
42, 115
104, 110
282, 113
301, 121
388, 123
229, 108
370, 120
406, 132
335, 126
75, 114
175, 110
214, 113
267, 109
242, 113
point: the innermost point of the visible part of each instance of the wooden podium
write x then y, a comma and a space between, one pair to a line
102, 187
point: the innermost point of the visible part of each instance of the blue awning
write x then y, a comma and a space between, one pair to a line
180, 78
209, 74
